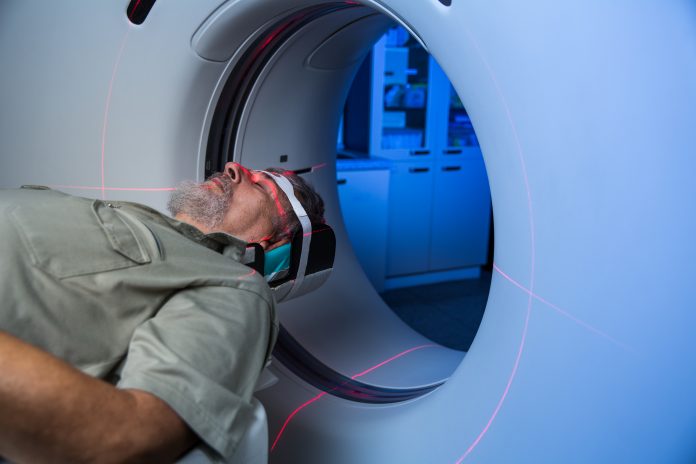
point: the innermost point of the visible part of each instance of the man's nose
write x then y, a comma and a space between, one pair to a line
235, 171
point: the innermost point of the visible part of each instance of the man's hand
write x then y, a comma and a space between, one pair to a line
51, 412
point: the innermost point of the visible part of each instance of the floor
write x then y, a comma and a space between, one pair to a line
448, 313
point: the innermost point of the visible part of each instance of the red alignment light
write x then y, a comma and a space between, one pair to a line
274, 193
314, 232
115, 189
270, 38
324, 393
562, 311
301, 171
532, 235
137, 4
292, 414
403, 353
251, 273
507, 386
107, 107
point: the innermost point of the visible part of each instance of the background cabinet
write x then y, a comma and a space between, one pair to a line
403, 109
461, 215
388, 110
410, 209
439, 218
363, 195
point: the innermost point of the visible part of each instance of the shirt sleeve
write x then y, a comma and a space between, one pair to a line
202, 354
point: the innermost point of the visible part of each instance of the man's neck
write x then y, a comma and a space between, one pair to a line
189, 220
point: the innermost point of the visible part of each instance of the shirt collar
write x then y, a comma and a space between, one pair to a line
221, 242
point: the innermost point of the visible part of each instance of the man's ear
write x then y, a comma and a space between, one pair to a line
267, 245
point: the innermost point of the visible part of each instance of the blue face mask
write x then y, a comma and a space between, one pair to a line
277, 260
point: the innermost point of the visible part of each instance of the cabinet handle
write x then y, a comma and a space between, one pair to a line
420, 152
453, 151
388, 73
342, 181
452, 168
418, 170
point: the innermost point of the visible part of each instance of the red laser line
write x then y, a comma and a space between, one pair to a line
122, 189
271, 37
403, 353
324, 393
532, 238
299, 172
137, 4
314, 232
251, 273
274, 194
106, 113
292, 415
505, 392
562, 311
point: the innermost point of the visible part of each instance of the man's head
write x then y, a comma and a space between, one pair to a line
246, 204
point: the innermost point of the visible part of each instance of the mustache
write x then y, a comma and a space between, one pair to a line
224, 180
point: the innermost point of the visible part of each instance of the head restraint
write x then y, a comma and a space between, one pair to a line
312, 252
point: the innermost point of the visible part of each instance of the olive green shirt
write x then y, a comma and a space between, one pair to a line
127, 294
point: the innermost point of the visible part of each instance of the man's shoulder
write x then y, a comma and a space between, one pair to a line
30, 191
214, 259
41, 196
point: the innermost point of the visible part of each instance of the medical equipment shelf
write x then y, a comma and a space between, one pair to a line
439, 219
413, 222
346, 162
402, 106
363, 189
403, 110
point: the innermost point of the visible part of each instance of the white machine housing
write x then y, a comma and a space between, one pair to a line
585, 112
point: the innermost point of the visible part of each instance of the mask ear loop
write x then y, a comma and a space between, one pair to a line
289, 191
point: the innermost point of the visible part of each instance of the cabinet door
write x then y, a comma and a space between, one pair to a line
461, 214
410, 203
363, 196
400, 101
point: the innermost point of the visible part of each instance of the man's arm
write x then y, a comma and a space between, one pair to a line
51, 412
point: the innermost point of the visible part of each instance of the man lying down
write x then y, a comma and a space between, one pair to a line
126, 335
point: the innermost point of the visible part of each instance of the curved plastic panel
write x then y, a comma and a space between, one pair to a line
218, 37
586, 125
340, 50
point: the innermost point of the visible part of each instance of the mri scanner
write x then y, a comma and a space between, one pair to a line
586, 115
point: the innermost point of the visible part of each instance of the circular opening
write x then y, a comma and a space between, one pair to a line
293, 82
412, 155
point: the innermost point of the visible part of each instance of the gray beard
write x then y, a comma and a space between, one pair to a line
204, 206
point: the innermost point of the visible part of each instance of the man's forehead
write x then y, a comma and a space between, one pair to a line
262, 174
266, 177
277, 192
